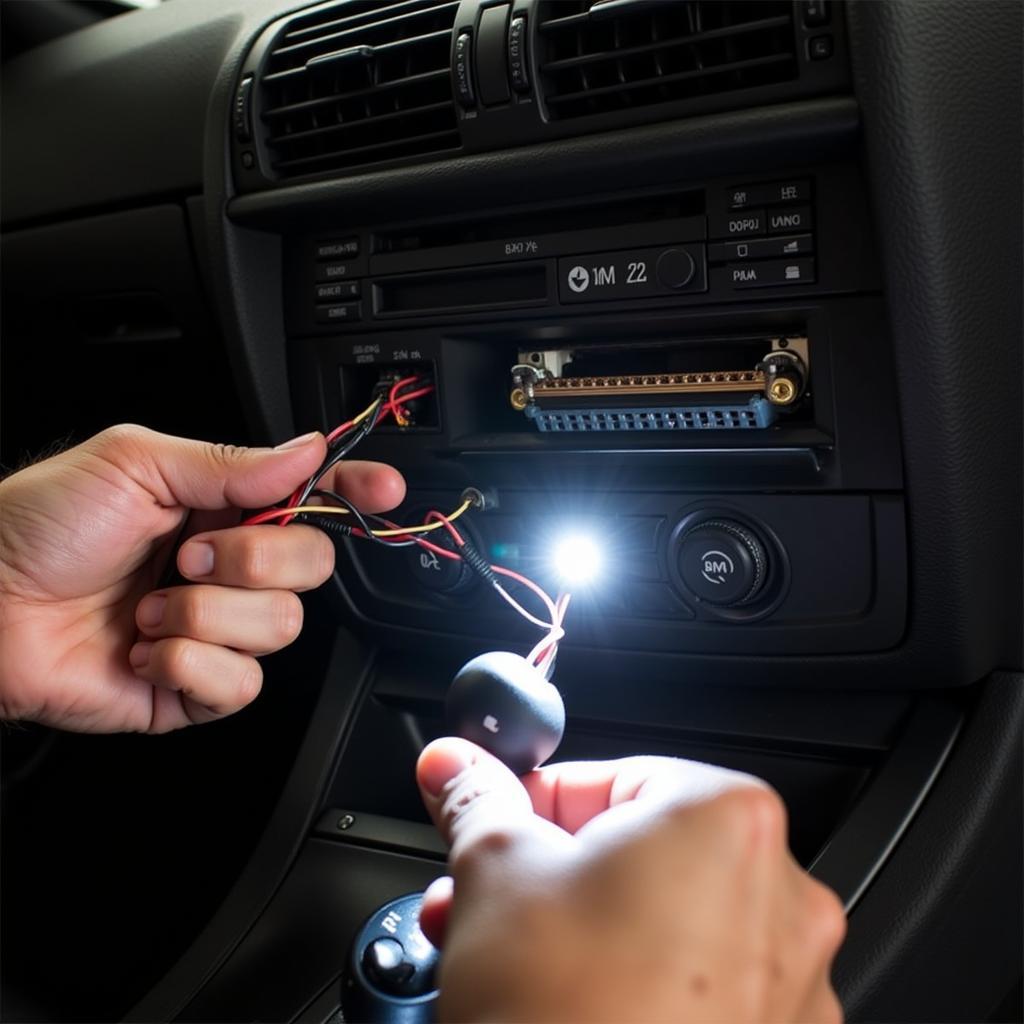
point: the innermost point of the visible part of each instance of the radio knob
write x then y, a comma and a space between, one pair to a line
675, 268
722, 562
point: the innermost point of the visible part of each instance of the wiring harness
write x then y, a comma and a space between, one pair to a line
331, 512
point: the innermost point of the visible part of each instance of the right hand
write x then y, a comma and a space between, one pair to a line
644, 889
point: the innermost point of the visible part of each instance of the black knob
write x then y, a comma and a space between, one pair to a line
722, 562
502, 703
675, 268
392, 971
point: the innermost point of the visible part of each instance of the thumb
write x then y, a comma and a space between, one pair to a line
477, 802
201, 475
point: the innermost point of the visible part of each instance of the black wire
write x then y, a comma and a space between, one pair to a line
340, 447
361, 519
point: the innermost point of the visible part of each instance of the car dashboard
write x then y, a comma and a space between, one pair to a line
730, 290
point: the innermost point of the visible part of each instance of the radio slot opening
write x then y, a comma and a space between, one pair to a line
737, 385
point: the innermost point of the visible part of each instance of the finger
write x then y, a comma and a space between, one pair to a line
259, 557
821, 1007
575, 792
437, 903
212, 682
816, 926
476, 801
370, 486
198, 474
255, 621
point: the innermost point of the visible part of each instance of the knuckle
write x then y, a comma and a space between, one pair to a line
122, 436
827, 919
473, 851
250, 683
224, 455
195, 611
176, 659
750, 813
254, 560
324, 556
286, 616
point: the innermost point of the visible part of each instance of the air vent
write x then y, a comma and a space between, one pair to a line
601, 56
356, 83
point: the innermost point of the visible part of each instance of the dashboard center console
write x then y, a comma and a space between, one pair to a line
699, 285
699, 378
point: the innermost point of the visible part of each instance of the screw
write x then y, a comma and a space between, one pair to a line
518, 399
783, 342
781, 391
345, 822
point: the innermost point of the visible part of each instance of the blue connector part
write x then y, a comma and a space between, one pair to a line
757, 414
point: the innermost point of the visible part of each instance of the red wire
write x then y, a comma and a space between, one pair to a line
393, 407
456, 536
390, 407
393, 396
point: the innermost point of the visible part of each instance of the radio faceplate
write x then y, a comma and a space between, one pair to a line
722, 241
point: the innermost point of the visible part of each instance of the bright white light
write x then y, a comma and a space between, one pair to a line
577, 560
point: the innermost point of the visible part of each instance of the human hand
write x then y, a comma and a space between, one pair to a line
85, 641
644, 889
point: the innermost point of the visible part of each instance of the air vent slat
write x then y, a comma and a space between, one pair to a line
568, 22
352, 20
657, 80
365, 122
358, 82
633, 55
338, 40
665, 44
325, 101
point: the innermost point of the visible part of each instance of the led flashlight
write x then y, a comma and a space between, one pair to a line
577, 560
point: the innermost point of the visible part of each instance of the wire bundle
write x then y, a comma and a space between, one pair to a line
365, 526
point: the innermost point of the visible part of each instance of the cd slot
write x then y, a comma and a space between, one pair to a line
498, 287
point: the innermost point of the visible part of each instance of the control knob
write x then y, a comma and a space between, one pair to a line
722, 562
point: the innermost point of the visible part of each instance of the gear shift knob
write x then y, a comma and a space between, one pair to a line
502, 703
391, 971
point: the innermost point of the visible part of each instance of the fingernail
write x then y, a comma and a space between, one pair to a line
196, 559
138, 656
441, 762
297, 442
151, 611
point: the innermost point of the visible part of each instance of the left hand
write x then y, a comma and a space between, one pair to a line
86, 643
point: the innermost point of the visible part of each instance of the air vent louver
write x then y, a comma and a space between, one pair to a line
357, 83
600, 56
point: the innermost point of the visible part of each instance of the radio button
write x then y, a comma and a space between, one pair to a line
338, 249
789, 221
675, 268
344, 313
335, 291
736, 224
771, 273
743, 196
332, 271
761, 248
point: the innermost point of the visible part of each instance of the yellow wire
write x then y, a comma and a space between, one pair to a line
367, 411
335, 510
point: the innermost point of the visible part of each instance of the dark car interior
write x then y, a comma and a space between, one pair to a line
734, 286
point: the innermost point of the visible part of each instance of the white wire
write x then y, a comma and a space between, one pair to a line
522, 611
550, 642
